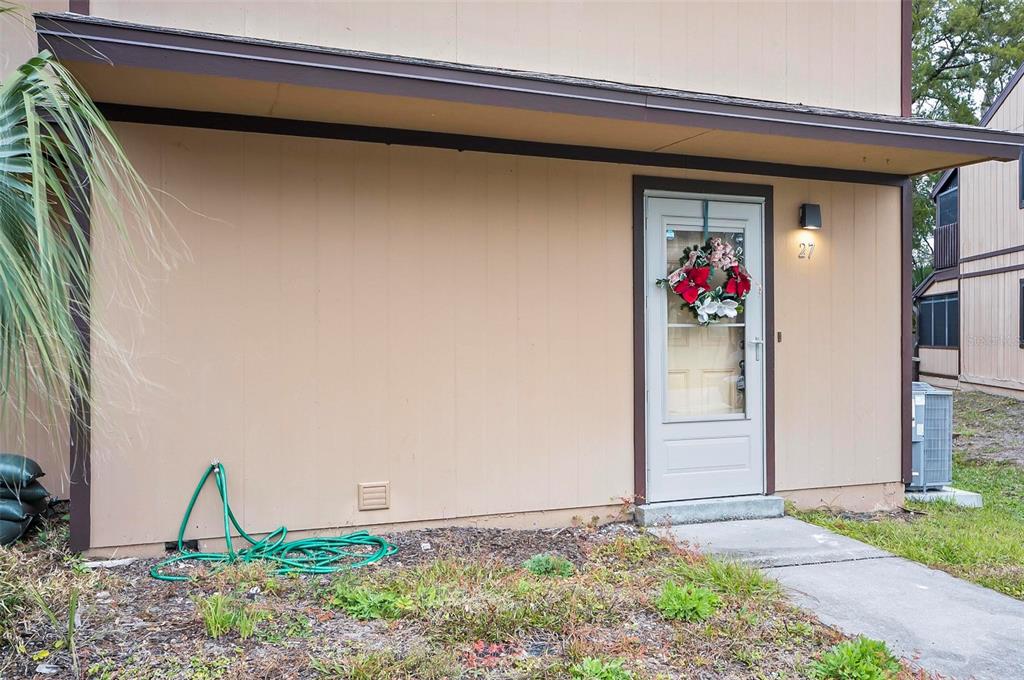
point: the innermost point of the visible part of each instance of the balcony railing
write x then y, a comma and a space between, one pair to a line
947, 245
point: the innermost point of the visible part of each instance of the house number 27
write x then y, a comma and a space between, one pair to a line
806, 250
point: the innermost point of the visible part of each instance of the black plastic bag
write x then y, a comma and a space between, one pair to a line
12, 531
17, 470
13, 510
27, 494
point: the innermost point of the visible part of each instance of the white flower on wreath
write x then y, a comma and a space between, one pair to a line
711, 308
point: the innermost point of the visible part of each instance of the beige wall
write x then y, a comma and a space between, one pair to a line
843, 54
990, 324
991, 219
939, 362
459, 324
32, 427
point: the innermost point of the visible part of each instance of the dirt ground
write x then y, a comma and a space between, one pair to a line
466, 608
987, 427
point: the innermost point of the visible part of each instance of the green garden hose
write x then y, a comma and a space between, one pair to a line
305, 556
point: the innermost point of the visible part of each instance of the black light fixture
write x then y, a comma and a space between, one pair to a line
810, 216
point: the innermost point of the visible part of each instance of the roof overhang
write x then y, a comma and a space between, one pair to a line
132, 66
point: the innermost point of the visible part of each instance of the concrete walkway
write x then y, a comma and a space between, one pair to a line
945, 624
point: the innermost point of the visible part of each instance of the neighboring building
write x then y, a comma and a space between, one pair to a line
425, 243
971, 309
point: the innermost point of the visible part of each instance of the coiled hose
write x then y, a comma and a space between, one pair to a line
306, 556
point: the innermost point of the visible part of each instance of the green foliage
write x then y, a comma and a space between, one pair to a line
860, 659
57, 155
631, 551
984, 545
688, 602
731, 578
961, 49
364, 603
591, 668
421, 664
222, 614
549, 565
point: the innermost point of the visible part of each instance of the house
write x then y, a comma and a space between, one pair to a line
971, 308
426, 240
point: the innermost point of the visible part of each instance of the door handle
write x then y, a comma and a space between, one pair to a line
757, 343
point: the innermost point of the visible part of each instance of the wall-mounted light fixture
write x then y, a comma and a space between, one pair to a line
810, 216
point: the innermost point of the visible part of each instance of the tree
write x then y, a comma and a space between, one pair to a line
59, 160
964, 52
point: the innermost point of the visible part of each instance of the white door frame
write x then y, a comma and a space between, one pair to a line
643, 187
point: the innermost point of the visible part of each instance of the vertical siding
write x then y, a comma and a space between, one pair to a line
990, 325
459, 324
943, 362
990, 220
841, 54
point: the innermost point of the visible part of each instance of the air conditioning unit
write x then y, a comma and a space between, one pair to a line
932, 438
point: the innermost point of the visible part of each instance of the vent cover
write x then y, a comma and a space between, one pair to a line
374, 495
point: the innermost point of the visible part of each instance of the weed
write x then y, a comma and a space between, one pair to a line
730, 578
687, 602
549, 565
592, 668
630, 551
364, 603
222, 613
285, 626
421, 664
860, 659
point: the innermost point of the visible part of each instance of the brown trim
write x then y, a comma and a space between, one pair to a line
642, 183
444, 140
993, 253
935, 277
80, 423
88, 39
944, 376
907, 329
639, 345
906, 56
939, 187
1003, 94
993, 271
79, 7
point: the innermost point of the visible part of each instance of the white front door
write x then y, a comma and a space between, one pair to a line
705, 400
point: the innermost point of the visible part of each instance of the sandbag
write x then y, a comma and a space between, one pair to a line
12, 531
27, 494
16, 470
15, 511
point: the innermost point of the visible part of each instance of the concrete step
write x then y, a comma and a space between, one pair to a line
709, 510
965, 499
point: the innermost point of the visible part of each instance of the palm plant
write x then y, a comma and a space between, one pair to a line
59, 162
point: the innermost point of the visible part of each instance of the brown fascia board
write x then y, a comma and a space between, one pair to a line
943, 180
80, 38
985, 118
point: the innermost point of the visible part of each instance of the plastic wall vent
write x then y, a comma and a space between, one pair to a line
375, 495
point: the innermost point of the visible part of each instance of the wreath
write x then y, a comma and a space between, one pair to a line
694, 281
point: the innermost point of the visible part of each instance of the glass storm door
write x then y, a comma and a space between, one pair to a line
705, 401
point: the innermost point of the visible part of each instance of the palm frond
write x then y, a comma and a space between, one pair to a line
59, 162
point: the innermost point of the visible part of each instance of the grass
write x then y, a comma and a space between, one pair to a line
983, 545
222, 614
